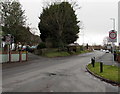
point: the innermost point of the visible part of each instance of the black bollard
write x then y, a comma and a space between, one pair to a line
115, 54
101, 67
93, 62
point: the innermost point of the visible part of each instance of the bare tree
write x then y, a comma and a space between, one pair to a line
106, 41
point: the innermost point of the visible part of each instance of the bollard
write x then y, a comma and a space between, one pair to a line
115, 55
93, 62
101, 67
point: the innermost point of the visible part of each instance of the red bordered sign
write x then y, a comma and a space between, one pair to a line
113, 35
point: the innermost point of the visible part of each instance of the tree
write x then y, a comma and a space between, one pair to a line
106, 41
13, 19
58, 24
13, 22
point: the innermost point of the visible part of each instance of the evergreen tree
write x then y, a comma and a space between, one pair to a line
58, 24
13, 19
13, 22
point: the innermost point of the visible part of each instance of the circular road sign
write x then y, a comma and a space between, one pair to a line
113, 35
8, 39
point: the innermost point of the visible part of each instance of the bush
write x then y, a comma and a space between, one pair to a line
41, 45
81, 48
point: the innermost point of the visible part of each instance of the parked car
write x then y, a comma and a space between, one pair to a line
107, 51
32, 48
28, 48
24, 48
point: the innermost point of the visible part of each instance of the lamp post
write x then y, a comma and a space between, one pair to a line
113, 23
113, 42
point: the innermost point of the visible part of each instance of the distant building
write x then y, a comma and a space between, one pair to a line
97, 47
72, 47
73, 44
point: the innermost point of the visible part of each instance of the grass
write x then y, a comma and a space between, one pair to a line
109, 72
81, 52
54, 53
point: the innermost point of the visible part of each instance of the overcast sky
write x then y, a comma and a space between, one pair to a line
94, 14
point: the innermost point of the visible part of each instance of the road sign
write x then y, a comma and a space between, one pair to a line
112, 36
8, 39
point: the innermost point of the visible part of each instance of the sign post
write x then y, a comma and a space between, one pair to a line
8, 41
113, 38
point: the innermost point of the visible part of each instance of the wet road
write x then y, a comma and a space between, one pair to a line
61, 74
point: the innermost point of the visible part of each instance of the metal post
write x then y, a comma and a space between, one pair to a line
113, 53
113, 42
9, 53
101, 67
26, 56
20, 56
93, 62
113, 23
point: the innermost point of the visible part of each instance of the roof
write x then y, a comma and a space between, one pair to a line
73, 44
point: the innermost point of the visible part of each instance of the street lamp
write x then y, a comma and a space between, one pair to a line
113, 42
113, 23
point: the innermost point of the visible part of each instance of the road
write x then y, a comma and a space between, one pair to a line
61, 74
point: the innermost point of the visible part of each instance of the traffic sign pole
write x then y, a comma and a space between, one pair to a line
113, 51
113, 38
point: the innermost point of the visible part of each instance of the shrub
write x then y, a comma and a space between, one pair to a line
81, 48
41, 45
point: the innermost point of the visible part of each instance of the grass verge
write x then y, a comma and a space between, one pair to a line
54, 53
109, 72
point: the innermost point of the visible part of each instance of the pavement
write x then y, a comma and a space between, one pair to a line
107, 59
61, 74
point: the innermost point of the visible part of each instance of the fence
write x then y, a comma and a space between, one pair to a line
13, 56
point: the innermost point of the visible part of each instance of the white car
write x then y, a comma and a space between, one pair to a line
107, 51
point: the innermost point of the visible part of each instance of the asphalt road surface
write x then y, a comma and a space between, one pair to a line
61, 74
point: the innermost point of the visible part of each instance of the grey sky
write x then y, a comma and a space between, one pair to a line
95, 15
